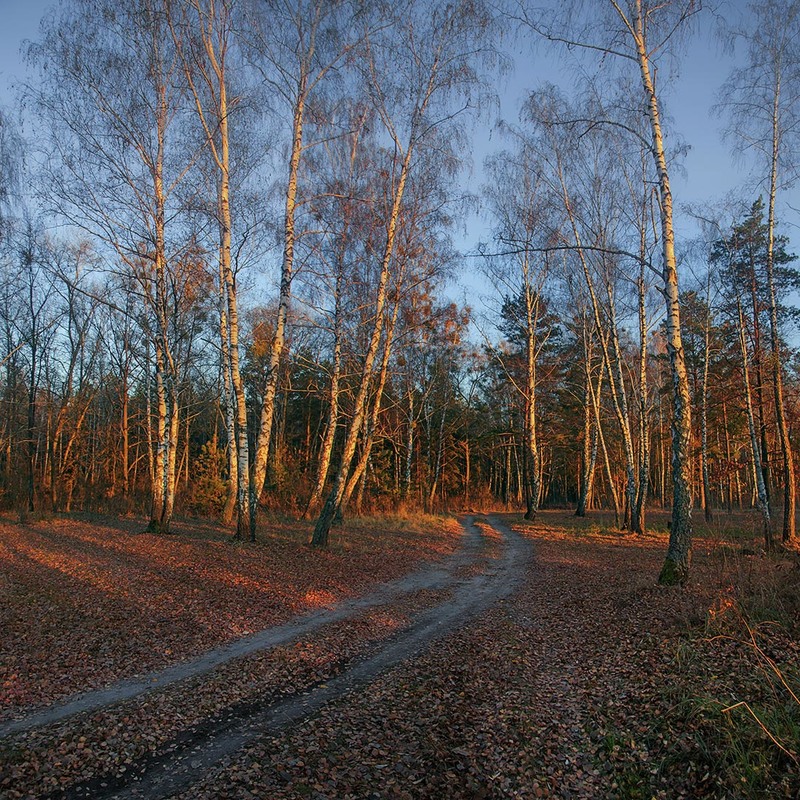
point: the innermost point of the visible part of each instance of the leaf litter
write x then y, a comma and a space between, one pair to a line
585, 683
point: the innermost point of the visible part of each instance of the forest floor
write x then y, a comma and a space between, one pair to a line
415, 659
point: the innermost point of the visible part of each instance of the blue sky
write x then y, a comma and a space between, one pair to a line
20, 20
708, 170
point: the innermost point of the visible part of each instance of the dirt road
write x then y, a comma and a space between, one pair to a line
441, 597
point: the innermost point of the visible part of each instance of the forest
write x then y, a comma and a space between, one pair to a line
250, 283
227, 288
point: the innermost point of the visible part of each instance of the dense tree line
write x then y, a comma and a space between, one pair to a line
226, 257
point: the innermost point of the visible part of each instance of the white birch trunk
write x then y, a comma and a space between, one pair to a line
372, 422
330, 509
789, 490
590, 438
755, 450
676, 564
279, 338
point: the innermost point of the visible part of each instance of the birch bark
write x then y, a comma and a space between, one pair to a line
206, 71
676, 564
279, 337
590, 439
755, 452
789, 489
331, 507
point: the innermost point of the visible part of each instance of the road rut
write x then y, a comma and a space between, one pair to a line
178, 764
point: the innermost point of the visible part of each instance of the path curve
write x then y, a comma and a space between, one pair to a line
177, 772
180, 764
431, 576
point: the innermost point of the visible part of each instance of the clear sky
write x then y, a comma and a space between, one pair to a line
709, 172
19, 20
706, 173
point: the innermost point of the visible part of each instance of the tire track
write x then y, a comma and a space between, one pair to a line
431, 576
212, 745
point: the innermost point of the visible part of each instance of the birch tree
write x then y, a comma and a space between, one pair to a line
341, 208
582, 171
123, 338
742, 258
76, 358
636, 33
755, 453
583, 332
202, 31
417, 71
110, 91
522, 221
704, 456
297, 48
761, 99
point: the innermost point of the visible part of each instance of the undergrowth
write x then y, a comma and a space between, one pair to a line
737, 700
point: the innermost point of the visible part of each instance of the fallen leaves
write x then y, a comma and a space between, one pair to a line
85, 604
583, 684
561, 691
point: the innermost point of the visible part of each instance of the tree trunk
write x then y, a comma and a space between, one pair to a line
243, 509
152, 455
31, 431
763, 501
620, 396
166, 371
372, 422
704, 408
213, 25
409, 460
676, 564
171, 476
644, 430
467, 468
125, 439
789, 492
589, 431
162, 443
437, 470
728, 456
333, 407
532, 461
758, 364
229, 403
279, 337
596, 395
619, 402
319, 537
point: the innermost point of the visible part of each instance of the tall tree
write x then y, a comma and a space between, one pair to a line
341, 208
522, 221
202, 31
637, 33
743, 257
110, 91
299, 46
417, 70
584, 178
758, 472
761, 98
